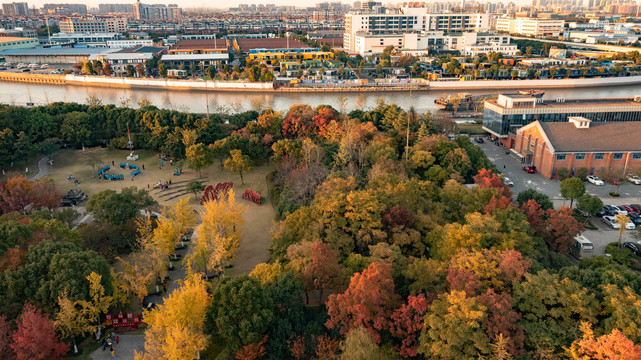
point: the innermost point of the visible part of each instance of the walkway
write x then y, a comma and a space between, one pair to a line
125, 349
43, 168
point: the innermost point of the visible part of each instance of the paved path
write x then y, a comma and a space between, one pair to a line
43, 168
125, 349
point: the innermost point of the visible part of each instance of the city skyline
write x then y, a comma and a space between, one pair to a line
205, 4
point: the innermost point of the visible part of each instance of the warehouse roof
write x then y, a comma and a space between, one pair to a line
599, 137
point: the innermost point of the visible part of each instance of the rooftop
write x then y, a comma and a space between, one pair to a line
54, 51
599, 137
5, 39
574, 102
270, 43
196, 44
142, 49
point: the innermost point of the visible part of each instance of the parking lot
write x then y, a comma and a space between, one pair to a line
512, 168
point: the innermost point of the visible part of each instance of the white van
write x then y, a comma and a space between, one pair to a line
582, 248
44, 66
33, 66
21, 65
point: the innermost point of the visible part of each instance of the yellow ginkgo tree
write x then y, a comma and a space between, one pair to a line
74, 319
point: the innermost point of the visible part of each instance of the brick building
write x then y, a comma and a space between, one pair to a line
580, 143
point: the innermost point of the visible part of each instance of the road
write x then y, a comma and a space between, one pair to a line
512, 168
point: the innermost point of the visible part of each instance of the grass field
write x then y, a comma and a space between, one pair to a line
258, 219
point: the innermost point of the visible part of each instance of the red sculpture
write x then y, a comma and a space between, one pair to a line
215, 193
252, 196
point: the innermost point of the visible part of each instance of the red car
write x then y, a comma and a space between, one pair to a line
614, 181
631, 209
530, 169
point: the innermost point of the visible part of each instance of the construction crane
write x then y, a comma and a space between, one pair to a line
296, 81
362, 81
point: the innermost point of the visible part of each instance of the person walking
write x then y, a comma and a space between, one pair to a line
143, 166
117, 339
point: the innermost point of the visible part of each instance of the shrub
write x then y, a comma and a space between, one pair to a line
582, 173
622, 256
562, 174
614, 194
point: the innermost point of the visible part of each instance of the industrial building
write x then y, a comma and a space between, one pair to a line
121, 58
68, 56
11, 43
504, 116
199, 52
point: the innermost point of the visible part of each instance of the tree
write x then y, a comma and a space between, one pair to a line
453, 328
73, 319
240, 311
572, 188
238, 163
531, 194
368, 302
407, 324
194, 187
106, 68
117, 208
610, 346
162, 70
140, 70
6, 352
359, 345
622, 221
131, 71
76, 128
323, 270
67, 216
560, 228
591, 204
211, 72
100, 302
35, 337
176, 328
198, 157
252, 351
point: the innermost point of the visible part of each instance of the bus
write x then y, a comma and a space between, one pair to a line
582, 248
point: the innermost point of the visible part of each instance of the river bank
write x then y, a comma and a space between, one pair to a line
268, 87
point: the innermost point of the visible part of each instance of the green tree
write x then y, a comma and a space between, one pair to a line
239, 163
76, 128
198, 157
591, 204
572, 188
211, 72
131, 70
117, 208
162, 70
194, 187
531, 194
240, 311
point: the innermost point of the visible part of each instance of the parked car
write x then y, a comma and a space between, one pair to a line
44, 66
634, 179
636, 249
479, 140
26, 70
635, 218
530, 169
508, 182
611, 221
614, 181
595, 180
601, 213
615, 210
630, 209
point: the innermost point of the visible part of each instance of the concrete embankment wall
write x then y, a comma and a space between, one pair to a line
187, 85
533, 84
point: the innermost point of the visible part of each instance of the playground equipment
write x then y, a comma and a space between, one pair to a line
253, 196
102, 173
215, 193
130, 146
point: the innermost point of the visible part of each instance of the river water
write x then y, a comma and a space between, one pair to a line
20, 94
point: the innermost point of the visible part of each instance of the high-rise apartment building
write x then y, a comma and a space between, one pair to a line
156, 12
115, 8
411, 20
15, 9
65, 9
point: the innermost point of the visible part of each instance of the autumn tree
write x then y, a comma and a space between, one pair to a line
218, 236
35, 338
323, 270
486, 179
359, 345
73, 319
176, 327
99, 302
239, 163
252, 351
198, 157
6, 352
368, 302
612, 346
531, 194
560, 229
453, 328
407, 324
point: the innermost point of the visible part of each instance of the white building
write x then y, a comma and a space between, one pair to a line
530, 26
370, 44
122, 44
94, 25
410, 20
475, 50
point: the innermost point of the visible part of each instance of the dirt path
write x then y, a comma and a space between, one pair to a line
43, 168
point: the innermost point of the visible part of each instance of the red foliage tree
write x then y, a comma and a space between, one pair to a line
486, 179
46, 196
368, 302
16, 194
560, 229
463, 279
500, 203
323, 119
297, 348
502, 319
535, 215
512, 266
398, 216
326, 347
6, 352
35, 338
407, 323
252, 351
323, 271
298, 123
